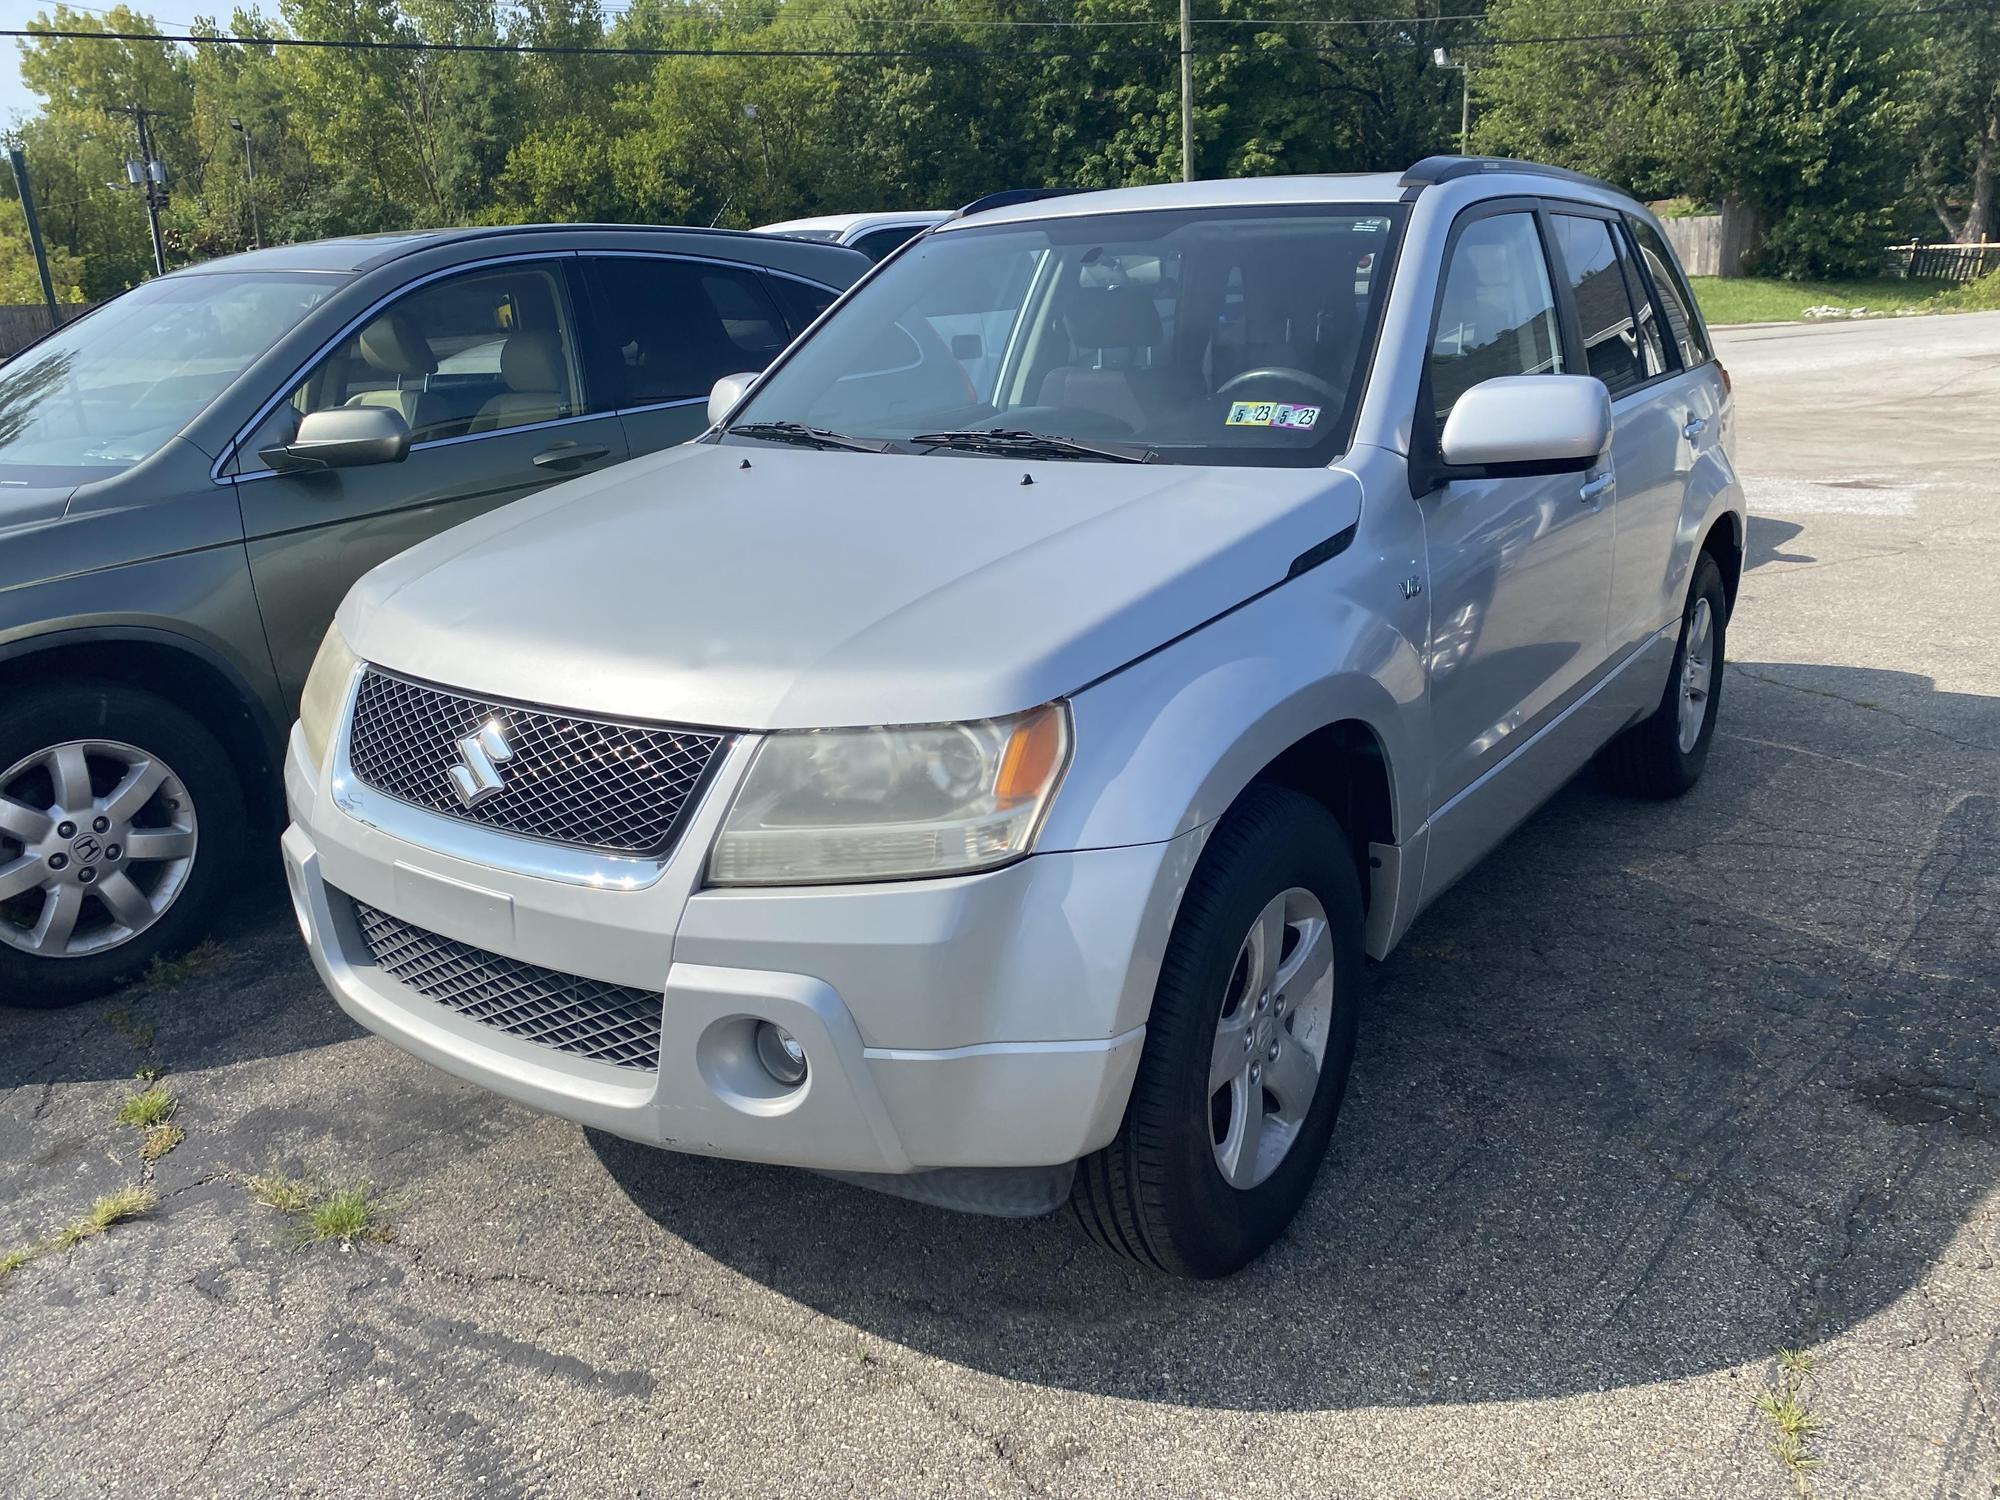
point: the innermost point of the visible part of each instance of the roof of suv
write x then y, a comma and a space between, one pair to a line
364, 252
1257, 192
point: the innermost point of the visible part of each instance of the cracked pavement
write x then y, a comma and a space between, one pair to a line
1656, 1091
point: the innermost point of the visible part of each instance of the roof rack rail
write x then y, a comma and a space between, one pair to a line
1433, 170
1012, 196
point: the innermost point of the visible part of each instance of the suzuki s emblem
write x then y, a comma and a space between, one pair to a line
477, 775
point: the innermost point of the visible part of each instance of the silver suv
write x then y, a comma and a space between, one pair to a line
984, 771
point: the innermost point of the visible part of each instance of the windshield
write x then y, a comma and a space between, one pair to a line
98, 396
1212, 336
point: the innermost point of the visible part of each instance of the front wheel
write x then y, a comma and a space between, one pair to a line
120, 819
1247, 1050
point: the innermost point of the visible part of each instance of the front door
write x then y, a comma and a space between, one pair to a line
484, 366
1519, 568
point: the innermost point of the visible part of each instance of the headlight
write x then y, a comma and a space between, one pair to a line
888, 804
326, 692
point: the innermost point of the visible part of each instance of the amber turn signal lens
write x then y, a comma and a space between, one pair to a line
1031, 759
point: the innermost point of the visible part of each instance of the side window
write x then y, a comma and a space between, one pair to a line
1497, 315
1674, 295
667, 330
1610, 332
879, 242
468, 354
802, 301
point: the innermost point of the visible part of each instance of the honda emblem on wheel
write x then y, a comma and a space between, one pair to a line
476, 777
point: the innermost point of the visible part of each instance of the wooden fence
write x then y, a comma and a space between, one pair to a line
1949, 263
22, 323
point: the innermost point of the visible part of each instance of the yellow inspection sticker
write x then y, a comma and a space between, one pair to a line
1272, 414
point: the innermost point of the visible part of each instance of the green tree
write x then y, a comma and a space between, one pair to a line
1794, 109
1957, 110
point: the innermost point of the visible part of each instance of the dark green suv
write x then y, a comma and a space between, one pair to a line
192, 475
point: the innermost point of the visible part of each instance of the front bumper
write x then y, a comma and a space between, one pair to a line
983, 1021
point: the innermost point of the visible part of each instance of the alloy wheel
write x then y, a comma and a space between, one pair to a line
1270, 1037
97, 840
1697, 673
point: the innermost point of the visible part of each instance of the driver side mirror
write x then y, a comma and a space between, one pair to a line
1528, 424
342, 437
726, 393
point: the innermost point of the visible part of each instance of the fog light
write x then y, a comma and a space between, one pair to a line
780, 1053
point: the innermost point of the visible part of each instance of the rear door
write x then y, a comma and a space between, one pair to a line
1692, 401
663, 329
483, 363
1618, 326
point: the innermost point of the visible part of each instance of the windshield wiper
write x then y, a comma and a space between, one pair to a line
1032, 445
808, 437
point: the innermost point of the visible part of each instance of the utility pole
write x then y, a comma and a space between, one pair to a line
1187, 90
149, 175
250, 166
20, 165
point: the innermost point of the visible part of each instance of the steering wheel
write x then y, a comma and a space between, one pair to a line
1282, 373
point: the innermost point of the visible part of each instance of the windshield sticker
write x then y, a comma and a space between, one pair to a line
1272, 414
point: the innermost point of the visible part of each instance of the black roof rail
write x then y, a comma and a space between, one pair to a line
1012, 196
1433, 170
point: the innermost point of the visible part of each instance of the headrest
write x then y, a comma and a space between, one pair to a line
395, 345
532, 361
1112, 317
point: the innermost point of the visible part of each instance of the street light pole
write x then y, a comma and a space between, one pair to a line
752, 112
249, 166
1443, 59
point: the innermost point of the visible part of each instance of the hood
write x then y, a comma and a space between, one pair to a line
778, 588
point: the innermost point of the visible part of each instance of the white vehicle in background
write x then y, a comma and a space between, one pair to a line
874, 235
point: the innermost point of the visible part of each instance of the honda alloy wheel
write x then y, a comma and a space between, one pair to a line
120, 821
97, 840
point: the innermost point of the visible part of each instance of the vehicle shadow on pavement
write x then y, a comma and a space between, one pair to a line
1656, 1090
236, 998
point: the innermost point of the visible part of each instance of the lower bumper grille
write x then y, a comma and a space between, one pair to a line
607, 1023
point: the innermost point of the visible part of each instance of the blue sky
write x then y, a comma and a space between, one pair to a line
15, 100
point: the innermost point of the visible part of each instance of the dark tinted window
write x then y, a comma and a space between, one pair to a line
802, 301
1498, 312
1675, 298
1597, 282
879, 242
667, 330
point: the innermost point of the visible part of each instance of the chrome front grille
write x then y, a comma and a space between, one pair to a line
608, 1023
568, 779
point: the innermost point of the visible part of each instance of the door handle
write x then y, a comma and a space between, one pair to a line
1694, 428
1594, 489
559, 455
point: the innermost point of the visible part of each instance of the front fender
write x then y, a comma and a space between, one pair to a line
1167, 744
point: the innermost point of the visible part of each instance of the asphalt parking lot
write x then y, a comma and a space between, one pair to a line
1653, 1094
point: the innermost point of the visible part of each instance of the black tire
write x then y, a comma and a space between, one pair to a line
39, 717
1647, 760
1157, 1193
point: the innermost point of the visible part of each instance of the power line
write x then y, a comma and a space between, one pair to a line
546, 49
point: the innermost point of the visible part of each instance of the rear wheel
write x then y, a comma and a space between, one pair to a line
120, 821
1247, 1050
1664, 754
